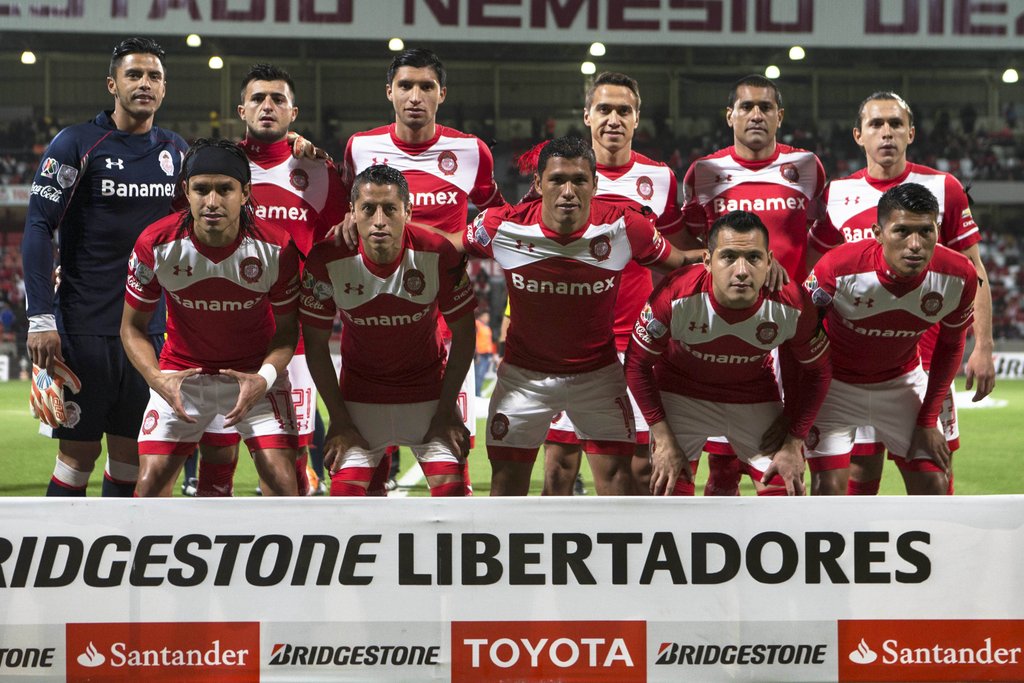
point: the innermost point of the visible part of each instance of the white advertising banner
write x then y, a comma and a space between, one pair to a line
528, 590
927, 24
1009, 365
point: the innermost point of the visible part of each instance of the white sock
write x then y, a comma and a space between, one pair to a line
121, 471
69, 476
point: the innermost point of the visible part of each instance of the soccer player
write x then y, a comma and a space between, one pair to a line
232, 288
779, 183
563, 257
396, 387
99, 184
446, 169
885, 129
880, 296
699, 362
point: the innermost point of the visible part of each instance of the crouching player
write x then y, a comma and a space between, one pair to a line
395, 386
711, 329
880, 296
232, 285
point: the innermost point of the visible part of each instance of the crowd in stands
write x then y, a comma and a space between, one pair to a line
1002, 254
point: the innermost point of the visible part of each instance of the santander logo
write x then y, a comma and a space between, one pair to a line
863, 654
91, 657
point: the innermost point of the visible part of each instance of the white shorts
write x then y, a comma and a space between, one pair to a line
866, 443
563, 431
394, 424
692, 421
269, 424
719, 445
467, 400
524, 401
303, 398
891, 407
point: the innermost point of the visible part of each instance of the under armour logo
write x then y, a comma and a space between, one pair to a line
349, 288
857, 302
377, 163
727, 178
187, 269
856, 200
119, 163
520, 245
703, 328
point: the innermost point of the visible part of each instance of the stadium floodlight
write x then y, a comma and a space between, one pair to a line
796, 53
1009, 76
396, 44
597, 49
216, 62
588, 68
29, 57
193, 40
772, 71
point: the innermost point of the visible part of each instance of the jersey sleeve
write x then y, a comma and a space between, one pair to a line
478, 237
648, 245
695, 217
671, 219
316, 292
809, 347
485, 192
959, 231
823, 278
824, 235
455, 296
650, 331
143, 289
284, 293
650, 339
337, 203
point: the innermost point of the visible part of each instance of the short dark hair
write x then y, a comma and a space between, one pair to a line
247, 219
418, 58
883, 95
380, 174
754, 81
738, 221
568, 147
612, 78
267, 72
134, 46
909, 197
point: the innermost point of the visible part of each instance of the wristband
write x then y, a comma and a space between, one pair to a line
269, 373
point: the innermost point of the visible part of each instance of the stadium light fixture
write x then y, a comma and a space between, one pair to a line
588, 68
796, 53
1009, 76
396, 44
216, 62
597, 49
772, 71
28, 57
193, 40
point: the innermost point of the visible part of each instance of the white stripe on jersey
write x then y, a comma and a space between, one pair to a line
179, 265
517, 245
280, 176
368, 150
721, 174
695, 322
640, 179
862, 295
355, 285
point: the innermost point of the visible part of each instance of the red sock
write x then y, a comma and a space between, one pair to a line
723, 475
773, 491
949, 489
216, 480
863, 488
684, 488
344, 488
377, 486
465, 478
451, 489
300, 474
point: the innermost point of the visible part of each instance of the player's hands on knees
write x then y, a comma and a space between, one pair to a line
168, 385
933, 442
668, 461
339, 438
251, 388
449, 430
777, 277
304, 149
788, 462
44, 349
980, 367
345, 232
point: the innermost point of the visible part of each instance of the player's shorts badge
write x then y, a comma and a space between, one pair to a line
166, 162
150, 422
767, 332
790, 172
414, 282
447, 162
931, 303
299, 179
601, 247
72, 414
251, 269
645, 187
499, 426
813, 437
66, 176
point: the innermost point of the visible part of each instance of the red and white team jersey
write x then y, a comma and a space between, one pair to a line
875, 318
781, 190
444, 173
221, 301
562, 288
390, 341
642, 183
717, 354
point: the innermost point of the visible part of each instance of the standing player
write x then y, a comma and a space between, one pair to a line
758, 174
99, 184
396, 387
232, 286
445, 169
880, 296
885, 128
712, 328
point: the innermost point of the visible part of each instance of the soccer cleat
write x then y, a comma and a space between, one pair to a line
391, 485
314, 481
189, 487
578, 489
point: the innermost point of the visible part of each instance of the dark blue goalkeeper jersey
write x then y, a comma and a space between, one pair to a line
98, 188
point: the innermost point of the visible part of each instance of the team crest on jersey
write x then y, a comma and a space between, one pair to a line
601, 247
813, 437
645, 187
646, 314
250, 269
447, 162
322, 291
811, 283
149, 424
166, 162
66, 176
499, 426
308, 280
767, 332
790, 172
50, 167
820, 297
414, 282
931, 303
299, 179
